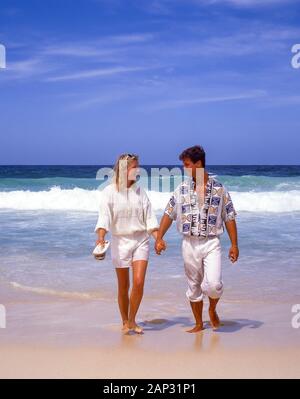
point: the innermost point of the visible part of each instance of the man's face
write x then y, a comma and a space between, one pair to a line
192, 167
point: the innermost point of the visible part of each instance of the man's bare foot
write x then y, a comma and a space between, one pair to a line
214, 319
197, 328
136, 328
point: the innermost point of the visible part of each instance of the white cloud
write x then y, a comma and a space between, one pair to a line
74, 50
92, 73
27, 68
103, 47
186, 102
43, 59
251, 3
100, 100
237, 3
167, 6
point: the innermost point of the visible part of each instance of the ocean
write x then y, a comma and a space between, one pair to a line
48, 215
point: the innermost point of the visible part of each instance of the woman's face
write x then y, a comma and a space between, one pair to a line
133, 170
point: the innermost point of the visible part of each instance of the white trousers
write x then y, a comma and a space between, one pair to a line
202, 264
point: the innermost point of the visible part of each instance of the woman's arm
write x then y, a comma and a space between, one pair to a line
150, 218
101, 236
154, 234
104, 217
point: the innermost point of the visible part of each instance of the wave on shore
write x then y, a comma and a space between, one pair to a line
78, 199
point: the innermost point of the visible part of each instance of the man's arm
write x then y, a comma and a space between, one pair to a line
165, 224
232, 232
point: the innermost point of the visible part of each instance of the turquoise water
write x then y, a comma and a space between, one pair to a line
48, 216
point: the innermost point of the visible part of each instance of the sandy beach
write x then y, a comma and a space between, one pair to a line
116, 363
82, 339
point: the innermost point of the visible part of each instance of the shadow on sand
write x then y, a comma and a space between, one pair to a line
230, 326
227, 326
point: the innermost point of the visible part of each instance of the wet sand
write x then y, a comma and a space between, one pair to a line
62, 338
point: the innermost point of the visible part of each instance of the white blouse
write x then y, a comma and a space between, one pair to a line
125, 212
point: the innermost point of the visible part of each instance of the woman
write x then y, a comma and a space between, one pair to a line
126, 212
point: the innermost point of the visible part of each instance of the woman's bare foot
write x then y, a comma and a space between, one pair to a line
136, 328
197, 328
214, 319
125, 327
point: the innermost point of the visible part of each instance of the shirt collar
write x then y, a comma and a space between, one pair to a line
210, 180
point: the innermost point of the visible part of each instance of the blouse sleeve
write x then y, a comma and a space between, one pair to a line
149, 215
105, 213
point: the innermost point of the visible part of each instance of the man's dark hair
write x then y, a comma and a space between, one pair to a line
195, 154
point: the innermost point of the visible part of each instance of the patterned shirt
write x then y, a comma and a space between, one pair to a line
206, 220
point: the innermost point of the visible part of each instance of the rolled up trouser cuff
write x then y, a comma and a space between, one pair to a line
213, 290
192, 298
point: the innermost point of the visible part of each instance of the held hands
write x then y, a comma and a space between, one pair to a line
160, 245
233, 253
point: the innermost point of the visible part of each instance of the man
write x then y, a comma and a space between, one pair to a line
201, 206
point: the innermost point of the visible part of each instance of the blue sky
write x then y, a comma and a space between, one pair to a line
88, 79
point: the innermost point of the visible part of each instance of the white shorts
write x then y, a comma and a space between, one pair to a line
129, 248
202, 264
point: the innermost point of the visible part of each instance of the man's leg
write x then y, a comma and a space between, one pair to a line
197, 308
212, 284
194, 273
213, 315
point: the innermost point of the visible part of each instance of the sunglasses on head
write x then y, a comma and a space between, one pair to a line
127, 156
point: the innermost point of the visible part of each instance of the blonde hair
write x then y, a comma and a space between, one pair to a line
120, 169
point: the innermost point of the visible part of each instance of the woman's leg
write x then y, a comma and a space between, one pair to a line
123, 293
139, 269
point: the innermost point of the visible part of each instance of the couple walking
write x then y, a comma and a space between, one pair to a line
200, 205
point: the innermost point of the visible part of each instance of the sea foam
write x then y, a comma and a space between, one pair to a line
78, 199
